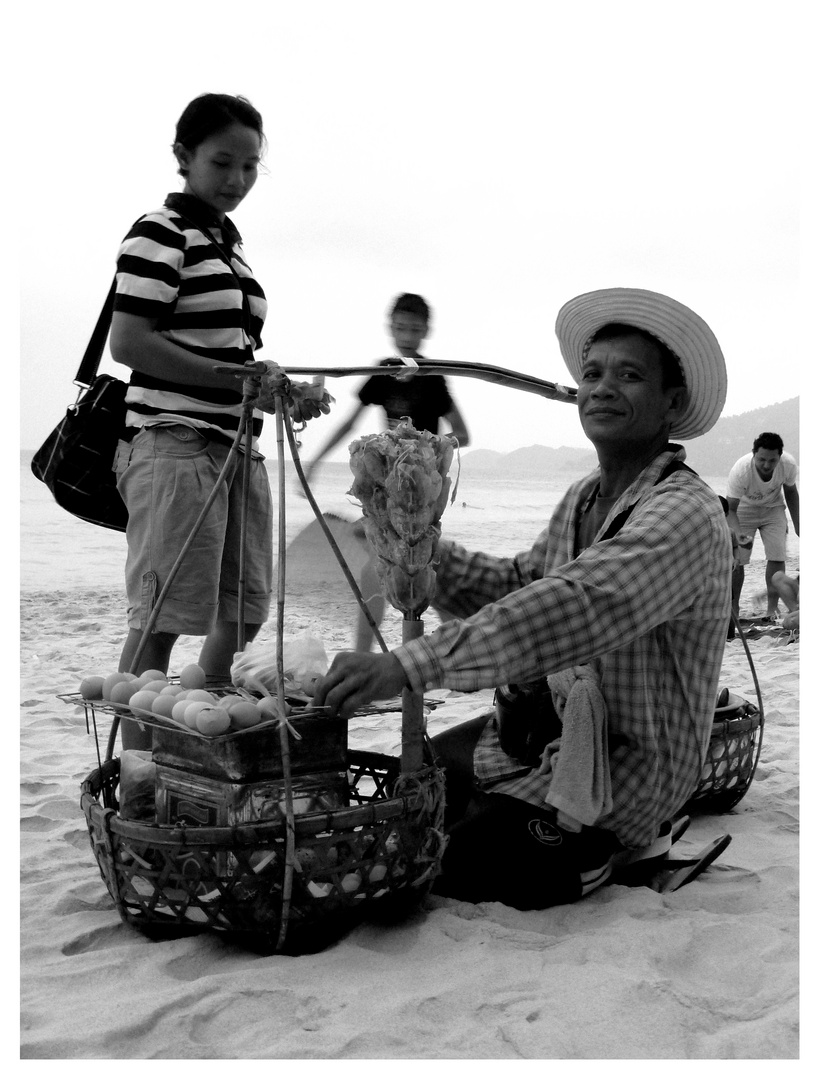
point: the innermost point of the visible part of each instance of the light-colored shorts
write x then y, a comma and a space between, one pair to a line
770, 521
165, 476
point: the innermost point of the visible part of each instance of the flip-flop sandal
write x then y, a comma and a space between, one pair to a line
662, 873
639, 867
679, 872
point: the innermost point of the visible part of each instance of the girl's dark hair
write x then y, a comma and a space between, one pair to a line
672, 372
412, 304
211, 113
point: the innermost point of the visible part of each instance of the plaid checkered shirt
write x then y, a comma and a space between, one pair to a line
651, 605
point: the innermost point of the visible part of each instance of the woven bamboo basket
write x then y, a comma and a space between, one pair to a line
731, 759
375, 858
369, 846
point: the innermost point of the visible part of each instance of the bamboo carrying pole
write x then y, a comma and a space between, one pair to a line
290, 828
248, 388
413, 722
412, 756
412, 709
515, 380
360, 600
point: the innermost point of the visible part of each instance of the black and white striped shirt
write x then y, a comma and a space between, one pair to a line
169, 270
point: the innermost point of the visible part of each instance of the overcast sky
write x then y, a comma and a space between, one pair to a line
498, 158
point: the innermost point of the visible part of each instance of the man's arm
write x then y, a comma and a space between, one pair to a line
792, 498
467, 580
580, 609
731, 517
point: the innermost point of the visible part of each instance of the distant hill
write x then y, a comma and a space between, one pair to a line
713, 454
567, 461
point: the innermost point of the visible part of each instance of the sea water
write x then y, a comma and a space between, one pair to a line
58, 551
492, 513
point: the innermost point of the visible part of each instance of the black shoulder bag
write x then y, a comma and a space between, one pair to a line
76, 460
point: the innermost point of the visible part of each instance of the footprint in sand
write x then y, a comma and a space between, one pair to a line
93, 940
258, 1013
36, 823
77, 838
35, 787
76, 902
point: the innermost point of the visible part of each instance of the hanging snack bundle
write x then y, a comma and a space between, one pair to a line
401, 482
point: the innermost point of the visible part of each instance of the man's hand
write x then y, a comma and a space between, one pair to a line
357, 678
735, 562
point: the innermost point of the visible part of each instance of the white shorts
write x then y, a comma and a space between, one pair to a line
770, 521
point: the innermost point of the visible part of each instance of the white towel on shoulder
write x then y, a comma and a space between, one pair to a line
580, 786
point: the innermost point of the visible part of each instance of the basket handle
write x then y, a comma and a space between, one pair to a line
739, 628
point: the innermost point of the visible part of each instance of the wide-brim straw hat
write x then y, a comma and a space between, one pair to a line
676, 325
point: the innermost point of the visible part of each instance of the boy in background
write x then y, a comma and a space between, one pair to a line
426, 400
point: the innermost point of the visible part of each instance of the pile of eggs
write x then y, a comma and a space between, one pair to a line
186, 702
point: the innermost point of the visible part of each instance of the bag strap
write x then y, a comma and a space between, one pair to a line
618, 522
246, 307
94, 350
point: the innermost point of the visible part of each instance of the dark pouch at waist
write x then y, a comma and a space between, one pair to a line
526, 720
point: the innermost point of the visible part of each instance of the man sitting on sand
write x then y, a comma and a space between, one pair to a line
622, 603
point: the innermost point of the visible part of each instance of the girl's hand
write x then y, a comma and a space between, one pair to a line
304, 400
308, 400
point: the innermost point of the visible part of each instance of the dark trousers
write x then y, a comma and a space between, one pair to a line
502, 848
507, 850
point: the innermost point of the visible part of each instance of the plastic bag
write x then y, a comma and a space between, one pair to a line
138, 784
304, 661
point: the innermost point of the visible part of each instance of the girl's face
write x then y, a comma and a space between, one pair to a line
222, 169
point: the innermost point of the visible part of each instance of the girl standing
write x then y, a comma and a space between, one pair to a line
186, 301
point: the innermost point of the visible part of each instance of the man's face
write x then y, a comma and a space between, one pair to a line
766, 462
621, 399
408, 331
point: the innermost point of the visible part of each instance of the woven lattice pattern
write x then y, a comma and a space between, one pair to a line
730, 763
379, 854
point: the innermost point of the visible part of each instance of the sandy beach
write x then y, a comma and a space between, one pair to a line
707, 972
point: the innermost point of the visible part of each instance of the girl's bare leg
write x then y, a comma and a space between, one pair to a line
156, 654
220, 647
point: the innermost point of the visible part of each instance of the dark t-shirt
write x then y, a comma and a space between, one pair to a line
425, 399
